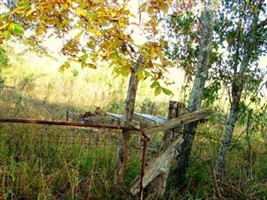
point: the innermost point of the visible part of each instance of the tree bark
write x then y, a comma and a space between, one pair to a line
128, 117
230, 125
196, 95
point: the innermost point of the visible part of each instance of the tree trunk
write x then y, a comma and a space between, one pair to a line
249, 45
196, 95
230, 125
128, 117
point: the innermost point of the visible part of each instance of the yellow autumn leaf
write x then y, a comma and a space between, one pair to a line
143, 7
154, 22
4, 26
90, 65
63, 67
29, 12
81, 12
11, 26
69, 3
7, 34
94, 32
150, 10
153, 53
164, 7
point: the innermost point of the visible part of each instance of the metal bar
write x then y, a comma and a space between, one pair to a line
63, 123
145, 142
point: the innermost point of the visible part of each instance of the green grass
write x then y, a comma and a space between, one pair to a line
40, 162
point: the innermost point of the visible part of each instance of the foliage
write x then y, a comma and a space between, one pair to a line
238, 43
183, 47
238, 25
95, 31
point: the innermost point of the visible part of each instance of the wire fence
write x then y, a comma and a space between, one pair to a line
83, 138
28, 151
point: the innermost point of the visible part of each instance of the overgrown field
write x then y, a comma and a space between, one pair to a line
46, 162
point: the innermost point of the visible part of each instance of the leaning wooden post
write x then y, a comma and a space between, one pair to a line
127, 119
158, 185
162, 163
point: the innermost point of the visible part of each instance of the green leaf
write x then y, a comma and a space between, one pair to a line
167, 91
77, 37
121, 61
63, 67
17, 29
23, 4
146, 73
139, 75
155, 84
89, 65
157, 91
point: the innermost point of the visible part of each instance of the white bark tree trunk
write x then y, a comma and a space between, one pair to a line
196, 95
250, 46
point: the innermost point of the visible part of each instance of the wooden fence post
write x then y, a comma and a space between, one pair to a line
158, 185
162, 163
127, 118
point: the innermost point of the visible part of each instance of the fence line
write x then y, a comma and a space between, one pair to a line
66, 140
64, 123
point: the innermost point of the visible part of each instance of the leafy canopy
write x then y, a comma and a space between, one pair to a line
103, 28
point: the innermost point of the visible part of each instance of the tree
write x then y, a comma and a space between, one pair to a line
127, 121
241, 25
201, 74
93, 31
241, 30
104, 28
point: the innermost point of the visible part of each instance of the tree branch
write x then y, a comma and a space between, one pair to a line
262, 24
